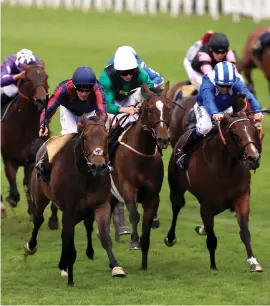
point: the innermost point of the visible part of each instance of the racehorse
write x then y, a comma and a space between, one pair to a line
227, 157
21, 125
138, 166
250, 60
80, 187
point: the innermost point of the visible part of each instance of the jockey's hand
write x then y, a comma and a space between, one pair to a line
131, 110
258, 116
218, 117
45, 133
18, 76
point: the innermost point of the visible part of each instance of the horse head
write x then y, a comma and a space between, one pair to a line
35, 86
155, 115
94, 144
242, 139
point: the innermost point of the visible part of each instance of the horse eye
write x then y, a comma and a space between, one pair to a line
150, 110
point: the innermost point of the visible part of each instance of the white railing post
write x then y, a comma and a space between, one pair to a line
175, 7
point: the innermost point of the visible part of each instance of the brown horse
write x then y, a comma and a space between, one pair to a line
80, 187
250, 61
138, 165
21, 125
227, 157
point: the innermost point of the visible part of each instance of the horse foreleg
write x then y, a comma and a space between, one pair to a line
242, 212
11, 172
150, 207
68, 255
39, 206
177, 201
103, 215
120, 223
53, 223
134, 219
28, 168
88, 223
211, 240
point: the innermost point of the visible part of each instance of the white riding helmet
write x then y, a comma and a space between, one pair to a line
24, 56
127, 48
124, 59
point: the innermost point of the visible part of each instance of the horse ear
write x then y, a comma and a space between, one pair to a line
24, 66
241, 102
227, 118
166, 88
81, 124
42, 64
147, 90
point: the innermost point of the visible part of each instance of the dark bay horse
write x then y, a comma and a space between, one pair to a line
80, 187
138, 166
227, 157
20, 126
250, 61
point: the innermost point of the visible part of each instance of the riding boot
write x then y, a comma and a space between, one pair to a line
189, 144
44, 167
113, 141
5, 99
120, 223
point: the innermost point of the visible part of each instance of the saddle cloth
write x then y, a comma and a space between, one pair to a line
56, 143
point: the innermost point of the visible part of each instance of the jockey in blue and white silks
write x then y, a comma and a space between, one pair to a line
217, 95
154, 76
12, 72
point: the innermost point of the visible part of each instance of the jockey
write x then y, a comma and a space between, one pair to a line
80, 95
154, 76
217, 96
12, 72
121, 81
215, 51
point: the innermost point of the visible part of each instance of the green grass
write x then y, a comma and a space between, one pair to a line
178, 275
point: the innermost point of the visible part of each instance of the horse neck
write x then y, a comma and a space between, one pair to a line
219, 157
142, 140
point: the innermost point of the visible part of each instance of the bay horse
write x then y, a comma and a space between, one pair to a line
138, 166
21, 125
250, 61
227, 157
80, 187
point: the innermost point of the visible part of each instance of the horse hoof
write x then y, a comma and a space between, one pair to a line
135, 246
70, 285
124, 230
118, 272
64, 273
256, 268
53, 224
200, 230
168, 243
11, 202
155, 223
28, 251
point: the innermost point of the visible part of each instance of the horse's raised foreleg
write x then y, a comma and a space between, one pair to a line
211, 240
242, 212
68, 255
53, 223
11, 172
103, 215
150, 207
39, 204
88, 223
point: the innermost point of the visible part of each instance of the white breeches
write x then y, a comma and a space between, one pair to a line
69, 120
204, 123
194, 77
10, 90
134, 99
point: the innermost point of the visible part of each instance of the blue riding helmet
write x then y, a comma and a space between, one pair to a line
224, 74
84, 78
